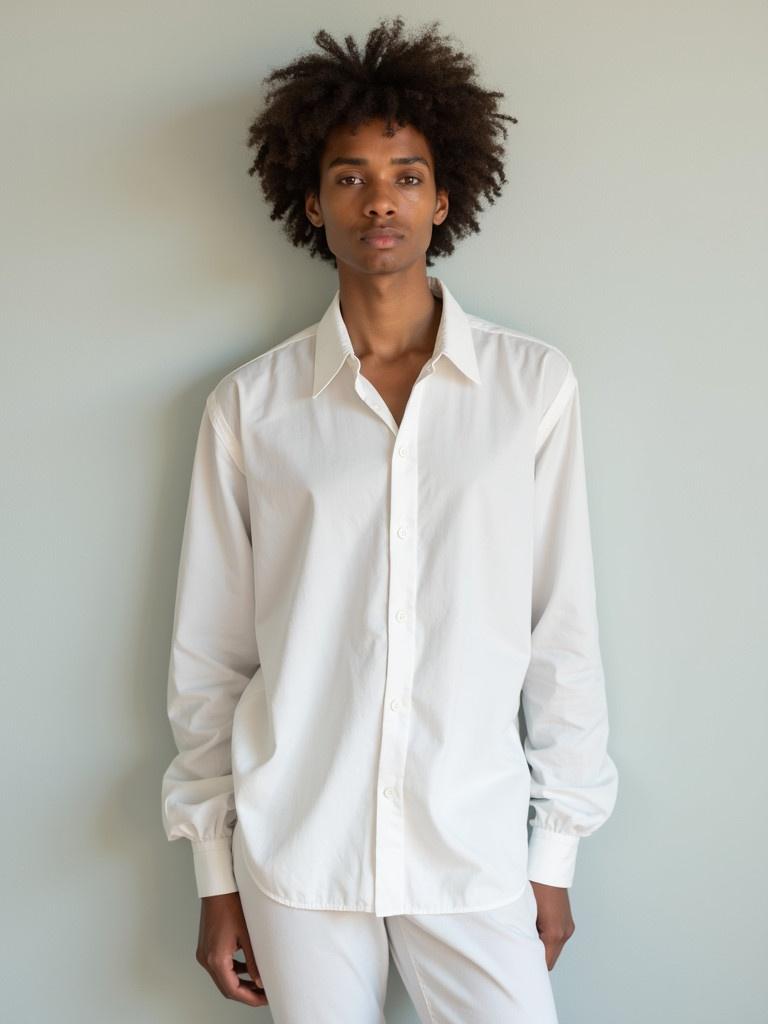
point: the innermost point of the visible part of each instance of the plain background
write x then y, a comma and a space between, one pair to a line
140, 265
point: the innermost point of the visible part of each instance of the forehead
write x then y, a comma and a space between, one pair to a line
369, 139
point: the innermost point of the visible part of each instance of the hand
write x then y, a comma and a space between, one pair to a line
222, 932
553, 922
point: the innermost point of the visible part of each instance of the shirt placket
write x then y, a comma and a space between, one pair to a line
389, 890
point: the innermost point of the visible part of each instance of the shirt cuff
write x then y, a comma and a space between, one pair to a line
552, 857
214, 874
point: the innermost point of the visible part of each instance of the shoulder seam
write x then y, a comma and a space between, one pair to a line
495, 328
294, 339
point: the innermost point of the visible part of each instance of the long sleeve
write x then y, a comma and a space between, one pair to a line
213, 653
574, 781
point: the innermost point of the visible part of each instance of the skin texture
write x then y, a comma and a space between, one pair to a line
392, 318
391, 314
222, 932
554, 922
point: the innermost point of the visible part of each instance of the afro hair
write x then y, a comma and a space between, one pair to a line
422, 82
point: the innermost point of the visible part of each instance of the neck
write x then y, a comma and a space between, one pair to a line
389, 316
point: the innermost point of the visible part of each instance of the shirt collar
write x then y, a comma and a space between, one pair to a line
333, 345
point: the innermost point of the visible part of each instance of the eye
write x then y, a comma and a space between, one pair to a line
350, 177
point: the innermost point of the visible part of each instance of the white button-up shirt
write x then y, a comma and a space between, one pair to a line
361, 610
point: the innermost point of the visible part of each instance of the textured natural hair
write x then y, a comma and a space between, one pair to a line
423, 82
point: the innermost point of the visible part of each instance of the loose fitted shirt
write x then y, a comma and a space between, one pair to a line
362, 610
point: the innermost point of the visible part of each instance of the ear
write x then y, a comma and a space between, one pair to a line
313, 209
441, 206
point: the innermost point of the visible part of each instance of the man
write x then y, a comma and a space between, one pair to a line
386, 554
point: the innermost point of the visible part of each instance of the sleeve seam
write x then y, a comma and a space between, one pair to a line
555, 410
224, 432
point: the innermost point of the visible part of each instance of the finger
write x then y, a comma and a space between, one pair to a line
554, 949
215, 980
250, 985
241, 969
250, 959
230, 986
241, 992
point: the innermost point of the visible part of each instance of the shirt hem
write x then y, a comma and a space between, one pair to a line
369, 907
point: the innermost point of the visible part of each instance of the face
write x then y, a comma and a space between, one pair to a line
369, 180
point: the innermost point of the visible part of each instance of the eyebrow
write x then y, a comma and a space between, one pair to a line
360, 161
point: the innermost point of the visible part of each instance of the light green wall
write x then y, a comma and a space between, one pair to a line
140, 265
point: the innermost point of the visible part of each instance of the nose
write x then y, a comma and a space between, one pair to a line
379, 201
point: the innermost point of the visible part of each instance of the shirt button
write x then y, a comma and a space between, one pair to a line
401, 614
389, 792
402, 451
402, 531
395, 704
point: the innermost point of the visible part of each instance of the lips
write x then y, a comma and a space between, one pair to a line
382, 233
381, 238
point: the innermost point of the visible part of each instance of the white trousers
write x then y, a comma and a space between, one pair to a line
331, 966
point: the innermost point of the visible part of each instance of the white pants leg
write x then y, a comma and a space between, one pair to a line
481, 967
330, 966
